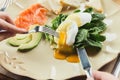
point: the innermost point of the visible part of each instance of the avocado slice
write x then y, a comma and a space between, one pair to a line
21, 36
19, 39
36, 37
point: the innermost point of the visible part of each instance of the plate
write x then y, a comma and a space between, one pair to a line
39, 63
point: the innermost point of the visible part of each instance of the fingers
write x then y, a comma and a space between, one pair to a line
98, 75
6, 17
7, 23
10, 27
9, 20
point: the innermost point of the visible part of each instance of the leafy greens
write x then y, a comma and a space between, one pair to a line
58, 20
88, 34
91, 32
55, 23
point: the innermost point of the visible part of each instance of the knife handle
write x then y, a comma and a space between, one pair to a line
89, 72
116, 70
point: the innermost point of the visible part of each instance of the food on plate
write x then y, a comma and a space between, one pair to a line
35, 14
36, 37
72, 3
79, 18
21, 36
96, 4
71, 24
79, 29
25, 42
57, 6
68, 30
19, 39
53, 5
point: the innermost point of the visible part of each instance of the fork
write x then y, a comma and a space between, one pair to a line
44, 30
5, 5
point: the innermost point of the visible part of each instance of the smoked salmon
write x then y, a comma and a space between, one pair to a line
35, 14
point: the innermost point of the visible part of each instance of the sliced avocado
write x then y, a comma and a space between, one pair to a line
26, 42
17, 40
36, 37
21, 36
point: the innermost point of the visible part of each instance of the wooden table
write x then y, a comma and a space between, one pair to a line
6, 75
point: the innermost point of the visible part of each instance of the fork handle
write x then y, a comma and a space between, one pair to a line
2, 9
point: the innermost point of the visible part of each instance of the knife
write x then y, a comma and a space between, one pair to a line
82, 54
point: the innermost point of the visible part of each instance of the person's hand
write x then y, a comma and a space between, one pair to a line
98, 75
7, 23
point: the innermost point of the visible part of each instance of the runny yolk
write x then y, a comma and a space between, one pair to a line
59, 55
62, 38
73, 58
65, 52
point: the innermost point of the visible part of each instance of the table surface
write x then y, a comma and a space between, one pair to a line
6, 75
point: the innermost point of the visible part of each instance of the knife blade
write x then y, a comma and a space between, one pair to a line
82, 54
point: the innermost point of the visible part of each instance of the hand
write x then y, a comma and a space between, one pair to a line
98, 75
6, 23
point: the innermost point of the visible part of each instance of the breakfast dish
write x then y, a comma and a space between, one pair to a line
79, 29
31, 55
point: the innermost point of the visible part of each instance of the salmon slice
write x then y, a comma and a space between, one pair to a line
35, 14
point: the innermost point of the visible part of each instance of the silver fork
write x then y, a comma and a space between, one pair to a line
45, 30
5, 5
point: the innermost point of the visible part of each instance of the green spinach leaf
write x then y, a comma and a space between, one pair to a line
89, 10
90, 33
98, 17
76, 11
58, 20
55, 23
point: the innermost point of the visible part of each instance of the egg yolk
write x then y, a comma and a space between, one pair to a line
62, 38
65, 52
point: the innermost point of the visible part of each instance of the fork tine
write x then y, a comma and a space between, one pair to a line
45, 30
50, 31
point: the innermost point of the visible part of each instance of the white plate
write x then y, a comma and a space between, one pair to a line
40, 63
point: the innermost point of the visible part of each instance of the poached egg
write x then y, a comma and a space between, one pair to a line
71, 24
67, 33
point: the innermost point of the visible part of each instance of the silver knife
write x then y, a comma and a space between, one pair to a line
82, 54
